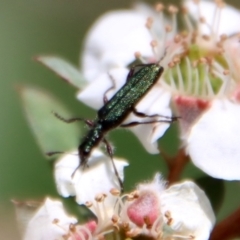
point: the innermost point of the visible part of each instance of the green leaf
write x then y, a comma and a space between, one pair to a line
51, 133
214, 189
80, 211
64, 69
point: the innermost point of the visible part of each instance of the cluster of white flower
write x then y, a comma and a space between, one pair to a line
181, 211
200, 81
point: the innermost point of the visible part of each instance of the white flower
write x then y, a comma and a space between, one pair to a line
98, 176
92, 185
155, 210
113, 40
202, 77
210, 115
50, 222
179, 211
188, 211
213, 141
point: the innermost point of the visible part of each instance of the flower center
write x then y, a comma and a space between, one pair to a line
195, 63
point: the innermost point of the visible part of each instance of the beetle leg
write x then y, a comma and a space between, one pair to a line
71, 120
110, 152
135, 123
105, 99
143, 115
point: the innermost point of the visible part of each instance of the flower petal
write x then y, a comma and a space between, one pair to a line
86, 183
93, 94
213, 142
207, 10
231, 54
49, 223
157, 101
113, 40
188, 209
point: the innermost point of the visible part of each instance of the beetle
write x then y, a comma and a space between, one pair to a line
140, 79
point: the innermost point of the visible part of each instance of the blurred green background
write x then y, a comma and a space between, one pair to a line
32, 27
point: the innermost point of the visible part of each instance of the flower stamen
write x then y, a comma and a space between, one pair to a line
154, 45
189, 75
187, 20
173, 10
226, 81
197, 83
180, 79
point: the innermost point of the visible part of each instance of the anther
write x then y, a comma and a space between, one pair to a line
115, 192
55, 221
130, 197
149, 22
209, 60
219, 44
184, 10
220, 50
206, 37
168, 28
223, 37
135, 194
226, 72
167, 214
115, 219
153, 43
169, 218
195, 63
177, 38
171, 65
196, 1
172, 9
202, 20
72, 227
176, 60
202, 60
159, 7
65, 236
220, 3
100, 197
88, 204
137, 55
